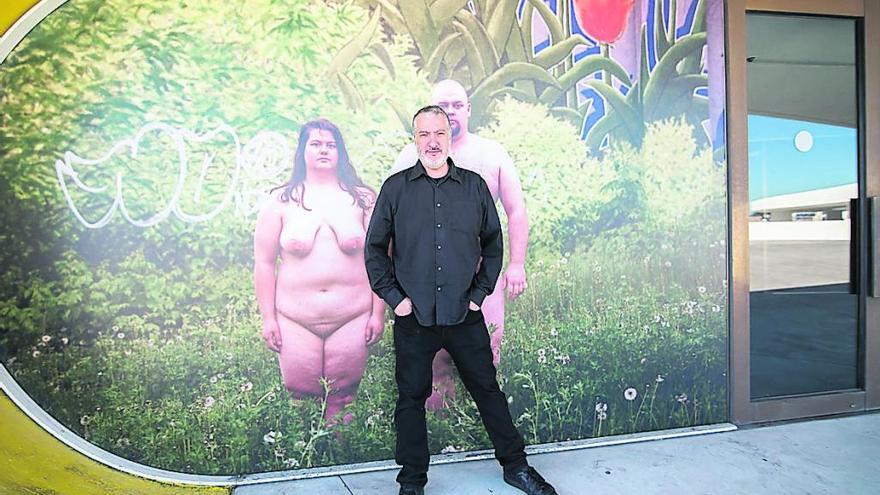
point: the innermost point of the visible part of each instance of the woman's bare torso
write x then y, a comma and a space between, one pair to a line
322, 283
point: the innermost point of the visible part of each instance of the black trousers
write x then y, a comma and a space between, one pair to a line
468, 344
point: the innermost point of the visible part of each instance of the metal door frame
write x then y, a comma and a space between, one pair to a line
743, 409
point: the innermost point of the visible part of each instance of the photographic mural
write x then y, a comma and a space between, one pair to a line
183, 279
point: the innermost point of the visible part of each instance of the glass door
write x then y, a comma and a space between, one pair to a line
805, 205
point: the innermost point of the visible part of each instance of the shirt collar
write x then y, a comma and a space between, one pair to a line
418, 170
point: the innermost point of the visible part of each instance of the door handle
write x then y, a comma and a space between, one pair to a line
874, 246
855, 241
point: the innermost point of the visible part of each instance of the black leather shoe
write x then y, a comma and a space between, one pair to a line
411, 490
529, 481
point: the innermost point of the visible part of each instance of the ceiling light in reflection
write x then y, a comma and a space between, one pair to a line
803, 141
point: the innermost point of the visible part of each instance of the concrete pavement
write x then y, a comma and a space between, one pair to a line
827, 456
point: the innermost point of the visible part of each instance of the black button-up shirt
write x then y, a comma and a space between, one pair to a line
441, 229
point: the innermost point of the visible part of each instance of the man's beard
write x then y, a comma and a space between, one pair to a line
433, 165
456, 128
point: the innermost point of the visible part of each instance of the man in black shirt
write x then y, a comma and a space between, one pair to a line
446, 257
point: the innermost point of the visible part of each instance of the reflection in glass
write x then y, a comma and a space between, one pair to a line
802, 180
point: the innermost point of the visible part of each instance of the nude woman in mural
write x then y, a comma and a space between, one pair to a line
318, 311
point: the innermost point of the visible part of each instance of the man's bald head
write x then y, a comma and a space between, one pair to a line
451, 96
448, 88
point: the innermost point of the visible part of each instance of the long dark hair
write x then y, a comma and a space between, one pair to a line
295, 189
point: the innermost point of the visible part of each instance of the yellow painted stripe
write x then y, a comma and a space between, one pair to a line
33, 461
11, 10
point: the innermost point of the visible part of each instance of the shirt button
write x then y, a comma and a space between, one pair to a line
439, 268
439, 289
438, 205
438, 246
438, 225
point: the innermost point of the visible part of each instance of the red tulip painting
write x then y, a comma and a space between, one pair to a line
603, 20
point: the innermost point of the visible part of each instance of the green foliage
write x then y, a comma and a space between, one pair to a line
562, 185
680, 177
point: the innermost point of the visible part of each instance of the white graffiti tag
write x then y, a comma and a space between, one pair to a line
262, 161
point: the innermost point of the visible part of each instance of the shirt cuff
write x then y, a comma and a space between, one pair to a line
393, 297
476, 295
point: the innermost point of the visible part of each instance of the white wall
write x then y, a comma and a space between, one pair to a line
827, 230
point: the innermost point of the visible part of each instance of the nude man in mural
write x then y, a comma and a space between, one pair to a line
491, 161
319, 313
